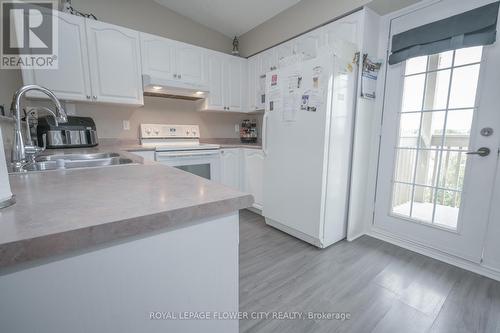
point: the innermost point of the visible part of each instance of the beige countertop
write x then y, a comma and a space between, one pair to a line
134, 145
65, 210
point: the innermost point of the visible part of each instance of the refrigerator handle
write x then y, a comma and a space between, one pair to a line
264, 133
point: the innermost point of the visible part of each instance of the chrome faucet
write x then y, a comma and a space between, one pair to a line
20, 150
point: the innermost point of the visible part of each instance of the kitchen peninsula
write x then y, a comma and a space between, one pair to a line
100, 249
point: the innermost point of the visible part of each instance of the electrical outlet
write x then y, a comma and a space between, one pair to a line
237, 128
126, 125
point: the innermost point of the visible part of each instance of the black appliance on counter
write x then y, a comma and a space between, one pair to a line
77, 132
248, 131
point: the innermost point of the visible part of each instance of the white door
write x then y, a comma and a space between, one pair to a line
233, 84
230, 167
115, 63
158, 56
71, 81
215, 100
190, 64
430, 191
254, 175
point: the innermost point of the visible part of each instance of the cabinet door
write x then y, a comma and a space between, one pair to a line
115, 63
158, 56
230, 168
71, 81
253, 176
215, 100
190, 62
252, 83
233, 84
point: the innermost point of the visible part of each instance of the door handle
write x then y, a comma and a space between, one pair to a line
264, 133
483, 152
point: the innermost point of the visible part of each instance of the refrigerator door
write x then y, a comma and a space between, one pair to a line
296, 126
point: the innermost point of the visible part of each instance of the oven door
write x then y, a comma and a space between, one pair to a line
203, 163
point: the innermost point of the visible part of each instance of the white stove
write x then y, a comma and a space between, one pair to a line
179, 146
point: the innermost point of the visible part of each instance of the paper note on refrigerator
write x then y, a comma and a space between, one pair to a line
291, 102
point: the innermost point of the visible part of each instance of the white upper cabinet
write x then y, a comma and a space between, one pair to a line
115, 63
71, 81
227, 83
167, 59
158, 56
234, 81
98, 62
190, 63
215, 100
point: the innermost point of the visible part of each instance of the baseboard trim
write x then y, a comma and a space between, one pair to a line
255, 210
295, 233
435, 254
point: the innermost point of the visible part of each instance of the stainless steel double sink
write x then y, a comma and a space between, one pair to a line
73, 161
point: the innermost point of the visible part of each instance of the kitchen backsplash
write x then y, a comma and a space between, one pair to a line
109, 118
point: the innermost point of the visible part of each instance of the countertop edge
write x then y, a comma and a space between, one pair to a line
52, 245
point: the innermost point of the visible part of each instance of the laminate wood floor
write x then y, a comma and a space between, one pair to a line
383, 287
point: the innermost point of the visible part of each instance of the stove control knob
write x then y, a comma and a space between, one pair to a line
148, 130
157, 131
187, 133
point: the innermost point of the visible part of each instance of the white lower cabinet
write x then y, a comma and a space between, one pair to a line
242, 169
230, 166
253, 174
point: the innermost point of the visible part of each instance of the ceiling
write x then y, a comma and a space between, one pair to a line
231, 18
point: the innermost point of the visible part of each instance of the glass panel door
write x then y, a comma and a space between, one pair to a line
434, 185
435, 120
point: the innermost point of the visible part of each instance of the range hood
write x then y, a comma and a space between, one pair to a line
158, 87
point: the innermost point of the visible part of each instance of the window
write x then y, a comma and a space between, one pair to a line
438, 104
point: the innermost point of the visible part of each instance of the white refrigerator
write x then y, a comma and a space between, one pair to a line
307, 142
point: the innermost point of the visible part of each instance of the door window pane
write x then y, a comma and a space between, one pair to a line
416, 65
409, 129
430, 160
447, 208
427, 167
405, 165
436, 90
422, 205
413, 93
463, 87
440, 60
401, 199
458, 127
468, 55
432, 129
451, 175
